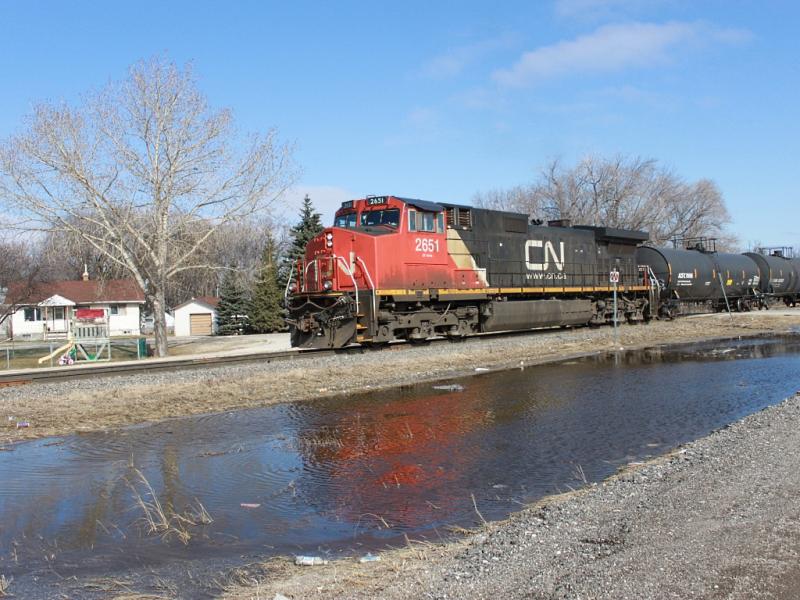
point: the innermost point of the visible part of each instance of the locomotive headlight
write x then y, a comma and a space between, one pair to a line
329, 243
292, 287
327, 284
329, 236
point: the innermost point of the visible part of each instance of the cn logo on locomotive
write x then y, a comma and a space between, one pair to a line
549, 252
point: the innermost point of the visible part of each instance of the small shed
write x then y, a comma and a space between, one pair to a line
197, 316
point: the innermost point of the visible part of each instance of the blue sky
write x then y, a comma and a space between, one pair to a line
439, 100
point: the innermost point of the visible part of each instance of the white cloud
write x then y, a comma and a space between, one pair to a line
455, 60
325, 198
613, 48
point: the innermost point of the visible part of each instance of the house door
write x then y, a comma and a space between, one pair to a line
200, 324
56, 318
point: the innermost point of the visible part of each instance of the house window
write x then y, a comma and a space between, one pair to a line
113, 309
57, 313
33, 314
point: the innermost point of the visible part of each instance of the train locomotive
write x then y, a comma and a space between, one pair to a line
393, 268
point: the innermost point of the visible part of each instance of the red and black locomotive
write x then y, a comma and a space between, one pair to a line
395, 268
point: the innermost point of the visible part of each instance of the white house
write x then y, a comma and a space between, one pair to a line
197, 316
47, 309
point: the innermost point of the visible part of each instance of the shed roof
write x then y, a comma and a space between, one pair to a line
210, 301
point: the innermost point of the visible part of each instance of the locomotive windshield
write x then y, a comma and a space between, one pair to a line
346, 220
387, 216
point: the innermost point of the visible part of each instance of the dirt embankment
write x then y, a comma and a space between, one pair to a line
85, 405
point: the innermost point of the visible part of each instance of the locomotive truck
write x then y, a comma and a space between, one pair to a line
393, 268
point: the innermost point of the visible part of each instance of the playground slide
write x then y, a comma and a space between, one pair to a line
65, 348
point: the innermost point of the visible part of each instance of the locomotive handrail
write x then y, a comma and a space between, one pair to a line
343, 264
371, 285
305, 274
288, 283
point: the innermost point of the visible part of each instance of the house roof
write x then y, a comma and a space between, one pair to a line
210, 301
78, 291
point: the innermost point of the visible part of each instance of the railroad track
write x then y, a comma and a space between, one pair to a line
51, 374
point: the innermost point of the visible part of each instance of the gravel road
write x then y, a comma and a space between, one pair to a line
717, 518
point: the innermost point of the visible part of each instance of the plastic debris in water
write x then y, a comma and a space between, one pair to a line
481, 369
455, 387
249, 505
309, 561
369, 557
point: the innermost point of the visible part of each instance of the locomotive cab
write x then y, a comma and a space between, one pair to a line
345, 265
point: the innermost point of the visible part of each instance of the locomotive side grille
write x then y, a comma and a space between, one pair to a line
465, 218
450, 216
458, 218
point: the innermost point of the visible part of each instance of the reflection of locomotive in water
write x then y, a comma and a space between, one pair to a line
393, 268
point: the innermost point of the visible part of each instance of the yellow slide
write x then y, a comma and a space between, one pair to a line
66, 347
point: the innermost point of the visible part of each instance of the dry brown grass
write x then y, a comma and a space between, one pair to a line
5, 585
163, 520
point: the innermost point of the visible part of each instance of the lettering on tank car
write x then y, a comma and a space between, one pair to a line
685, 279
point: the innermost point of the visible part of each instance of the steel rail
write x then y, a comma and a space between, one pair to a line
72, 372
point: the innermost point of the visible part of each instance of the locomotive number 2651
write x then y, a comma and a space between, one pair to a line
426, 245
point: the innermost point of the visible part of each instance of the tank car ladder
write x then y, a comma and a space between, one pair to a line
654, 291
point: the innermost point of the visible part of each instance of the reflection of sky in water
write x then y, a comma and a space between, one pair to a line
376, 465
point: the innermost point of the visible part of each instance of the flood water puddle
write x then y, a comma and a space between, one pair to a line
355, 473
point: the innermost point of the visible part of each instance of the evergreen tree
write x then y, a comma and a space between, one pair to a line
234, 305
267, 315
309, 226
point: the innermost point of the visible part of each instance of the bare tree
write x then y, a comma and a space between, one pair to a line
21, 265
144, 172
232, 247
519, 198
632, 193
17, 262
